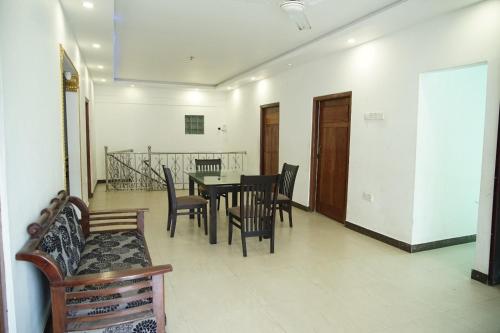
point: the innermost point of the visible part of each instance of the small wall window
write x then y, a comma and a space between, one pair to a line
194, 124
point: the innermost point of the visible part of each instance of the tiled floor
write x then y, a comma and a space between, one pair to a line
322, 278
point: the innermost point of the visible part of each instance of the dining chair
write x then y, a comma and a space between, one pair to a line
210, 165
285, 190
181, 205
255, 214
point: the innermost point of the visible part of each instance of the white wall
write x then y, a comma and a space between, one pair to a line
450, 136
383, 76
32, 109
135, 117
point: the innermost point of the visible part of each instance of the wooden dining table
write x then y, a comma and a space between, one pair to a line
215, 183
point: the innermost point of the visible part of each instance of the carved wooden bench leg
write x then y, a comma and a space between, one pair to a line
159, 302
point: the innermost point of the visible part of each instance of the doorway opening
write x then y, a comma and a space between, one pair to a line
269, 139
71, 126
331, 128
449, 158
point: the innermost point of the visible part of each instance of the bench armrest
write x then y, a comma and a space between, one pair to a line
116, 276
118, 211
131, 218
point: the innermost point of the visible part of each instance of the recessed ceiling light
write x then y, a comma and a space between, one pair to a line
351, 41
289, 65
229, 88
96, 46
88, 4
100, 66
103, 80
253, 78
132, 85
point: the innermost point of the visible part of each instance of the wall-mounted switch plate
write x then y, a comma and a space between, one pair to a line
368, 197
374, 116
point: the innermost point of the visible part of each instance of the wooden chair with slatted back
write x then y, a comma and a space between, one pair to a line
255, 214
285, 191
210, 165
182, 205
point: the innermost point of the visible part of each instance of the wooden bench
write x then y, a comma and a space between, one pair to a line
99, 269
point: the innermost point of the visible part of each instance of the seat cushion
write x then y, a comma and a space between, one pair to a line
64, 241
190, 201
112, 251
282, 197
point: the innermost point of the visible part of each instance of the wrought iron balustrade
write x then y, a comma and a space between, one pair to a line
129, 170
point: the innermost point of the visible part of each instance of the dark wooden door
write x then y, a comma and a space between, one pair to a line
333, 129
87, 131
494, 270
270, 129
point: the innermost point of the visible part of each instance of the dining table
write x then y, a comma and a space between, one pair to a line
215, 183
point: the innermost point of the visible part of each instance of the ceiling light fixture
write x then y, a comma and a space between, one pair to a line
351, 41
290, 65
96, 46
132, 85
88, 4
253, 78
296, 12
229, 88
103, 80
100, 66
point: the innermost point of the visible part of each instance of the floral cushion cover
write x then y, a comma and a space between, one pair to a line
65, 240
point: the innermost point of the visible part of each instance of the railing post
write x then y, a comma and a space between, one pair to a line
106, 166
150, 181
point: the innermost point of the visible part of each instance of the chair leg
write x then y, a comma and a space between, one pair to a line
218, 202
227, 213
205, 219
198, 213
272, 240
169, 220
243, 244
174, 222
230, 231
290, 215
281, 212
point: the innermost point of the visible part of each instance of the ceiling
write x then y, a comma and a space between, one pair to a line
230, 40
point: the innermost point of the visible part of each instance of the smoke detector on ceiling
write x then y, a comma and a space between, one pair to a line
295, 10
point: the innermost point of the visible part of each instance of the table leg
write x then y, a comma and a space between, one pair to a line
212, 191
191, 192
234, 195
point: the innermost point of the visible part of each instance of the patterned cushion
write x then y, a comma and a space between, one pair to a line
144, 325
64, 241
112, 251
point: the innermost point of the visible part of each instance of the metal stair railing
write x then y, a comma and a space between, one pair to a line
129, 170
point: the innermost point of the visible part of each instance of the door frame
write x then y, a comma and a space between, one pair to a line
313, 180
87, 143
261, 154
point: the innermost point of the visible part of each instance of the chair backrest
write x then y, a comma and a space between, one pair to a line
208, 165
257, 202
287, 179
172, 199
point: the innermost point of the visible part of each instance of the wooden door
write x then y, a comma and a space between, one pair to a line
494, 269
87, 131
332, 132
270, 129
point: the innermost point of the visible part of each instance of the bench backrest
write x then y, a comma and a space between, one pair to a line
57, 238
64, 240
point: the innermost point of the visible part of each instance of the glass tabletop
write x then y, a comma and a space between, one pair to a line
229, 177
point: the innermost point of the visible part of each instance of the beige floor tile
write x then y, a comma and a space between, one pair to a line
322, 278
